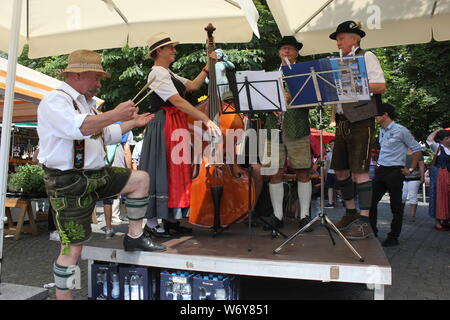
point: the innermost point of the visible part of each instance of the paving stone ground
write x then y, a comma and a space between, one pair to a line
420, 264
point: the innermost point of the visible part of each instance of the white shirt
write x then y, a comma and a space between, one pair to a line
59, 125
435, 147
374, 73
166, 89
137, 151
329, 157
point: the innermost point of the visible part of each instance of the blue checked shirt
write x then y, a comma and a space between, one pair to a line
395, 140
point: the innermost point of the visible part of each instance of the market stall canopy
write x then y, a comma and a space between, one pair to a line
32, 125
57, 27
30, 88
386, 22
326, 136
315, 140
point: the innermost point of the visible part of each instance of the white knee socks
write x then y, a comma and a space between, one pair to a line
304, 190
276, 197
330, 196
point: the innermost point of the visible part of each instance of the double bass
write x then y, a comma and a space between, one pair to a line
219, 191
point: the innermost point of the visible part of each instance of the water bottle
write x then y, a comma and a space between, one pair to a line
105, 285
176, 290
220, 294
115, 292
126, 289
186, 291
134, 285
100, 276
169, 291
141, 287
202, 293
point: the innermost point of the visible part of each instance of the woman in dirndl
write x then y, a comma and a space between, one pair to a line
170, 181
439, 208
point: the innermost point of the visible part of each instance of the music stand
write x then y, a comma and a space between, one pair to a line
322, 216
245, 97
253, 95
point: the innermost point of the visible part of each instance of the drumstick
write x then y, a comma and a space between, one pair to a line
145, 87
150, 92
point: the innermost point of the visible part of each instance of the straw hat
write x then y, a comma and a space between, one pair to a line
159, 40
83, 61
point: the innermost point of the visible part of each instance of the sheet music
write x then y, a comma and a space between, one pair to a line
343, 80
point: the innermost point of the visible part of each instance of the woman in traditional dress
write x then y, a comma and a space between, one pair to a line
439, 208
170, 181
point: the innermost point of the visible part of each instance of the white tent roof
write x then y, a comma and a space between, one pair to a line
386, 22
56, 27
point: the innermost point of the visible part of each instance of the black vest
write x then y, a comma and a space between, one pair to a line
155, 100
357, 111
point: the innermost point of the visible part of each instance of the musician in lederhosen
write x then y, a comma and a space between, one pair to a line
294, 148
72, 138
355, 130
170, 181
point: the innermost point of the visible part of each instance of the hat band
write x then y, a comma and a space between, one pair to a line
84, 66
158, 43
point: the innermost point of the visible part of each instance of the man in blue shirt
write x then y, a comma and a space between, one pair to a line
394, 140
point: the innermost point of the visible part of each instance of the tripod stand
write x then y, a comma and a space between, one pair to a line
322, 216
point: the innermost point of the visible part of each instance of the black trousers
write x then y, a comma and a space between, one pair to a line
51, 221
388, 179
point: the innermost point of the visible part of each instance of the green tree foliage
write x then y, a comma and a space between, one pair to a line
418, 85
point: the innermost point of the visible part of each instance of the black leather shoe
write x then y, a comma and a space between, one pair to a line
390, 242
141, 244
273, 234
176, 227
151, 232
275, 223
304, 222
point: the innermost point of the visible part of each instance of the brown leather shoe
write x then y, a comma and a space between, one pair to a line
346, 221
358, 230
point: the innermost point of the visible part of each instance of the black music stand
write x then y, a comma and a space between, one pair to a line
322, 216
249, 89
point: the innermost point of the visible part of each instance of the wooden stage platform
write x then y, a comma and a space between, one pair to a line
310, 256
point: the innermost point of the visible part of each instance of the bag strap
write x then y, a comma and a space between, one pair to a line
79, 145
